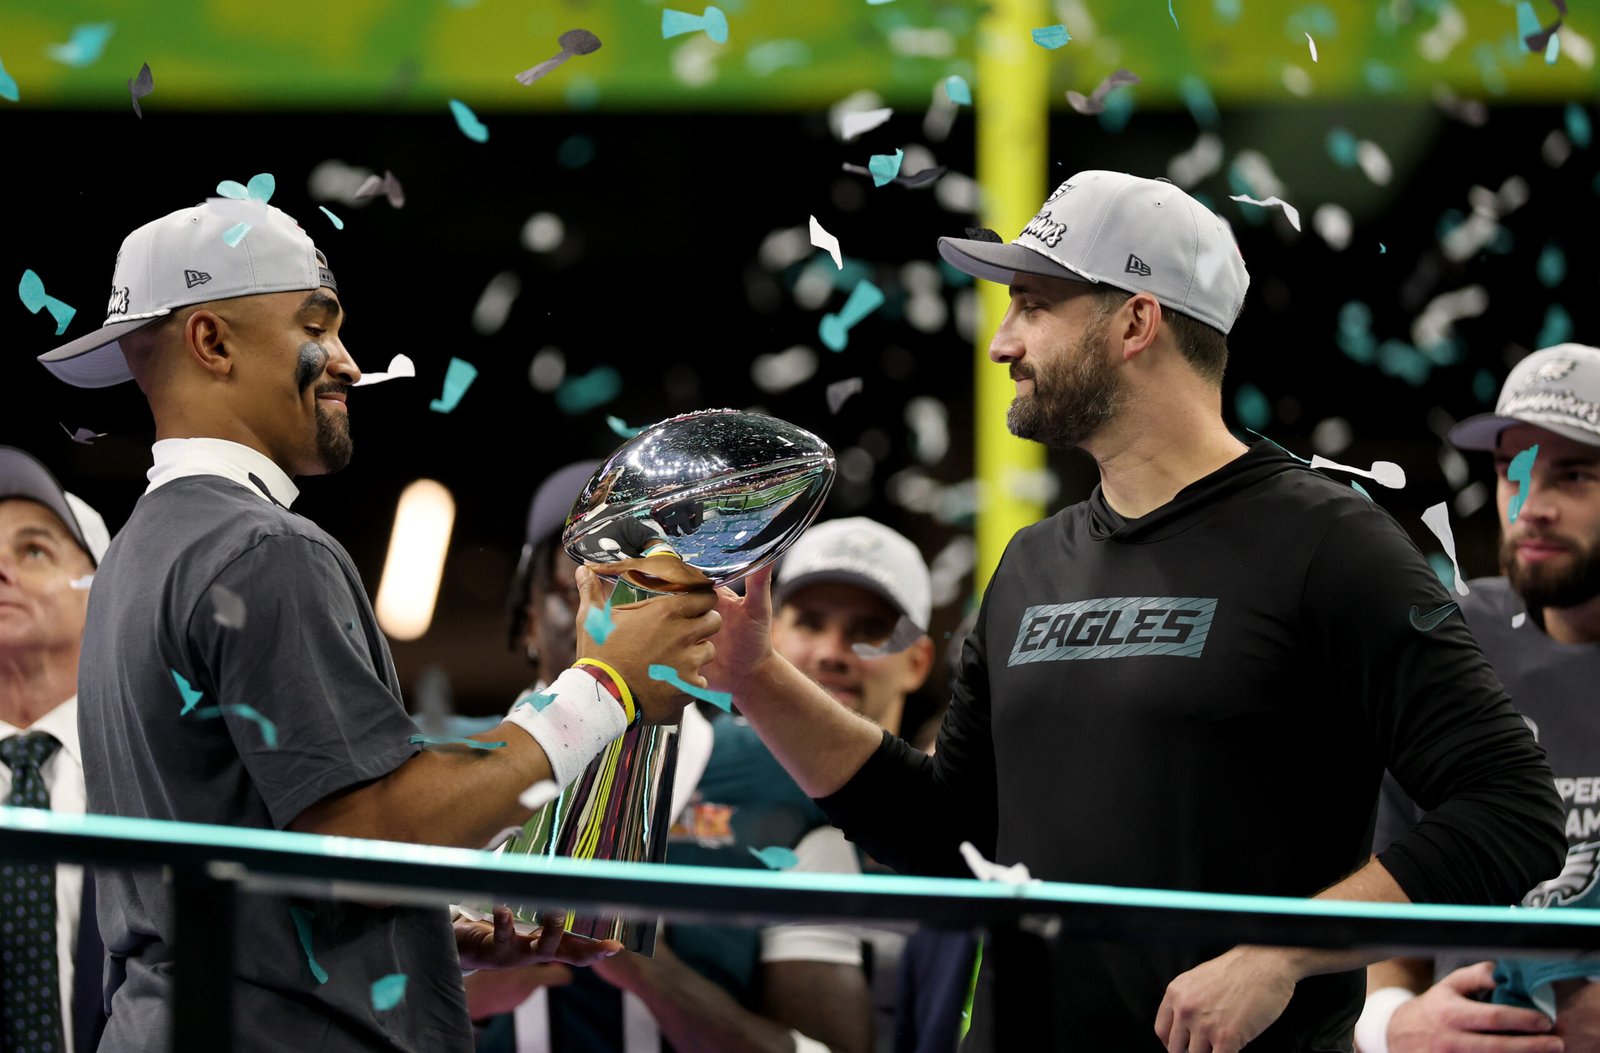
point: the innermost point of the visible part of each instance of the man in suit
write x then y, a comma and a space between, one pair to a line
50, 544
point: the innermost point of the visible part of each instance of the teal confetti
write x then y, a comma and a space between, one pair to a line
1250, 405
599, 623
8, 85
1552, 267
537, 699
621, 429
458, 377
468, 122
767, 59
1520, 471
1227, 11
1483, 386
34, 298
260, 188
1196, 96
1355, 332
338, 224
575, 151
776, 857
350, 626
677, 23
1361, 490
471, 744
668, 675
834, 329
1379, 77
235, 234
387, 992
1382, 248
269, 730
1342, 147
1527, 24
1426, 623
87, 44
1118, 111
1552, 50
1285, 449
191, 697
302, 925
1578, 127
1051, 37
884, 167
1557, 327
957, 90
1443, 569
594, 389
1174, 16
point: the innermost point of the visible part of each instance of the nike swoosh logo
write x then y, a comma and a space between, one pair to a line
1428, 622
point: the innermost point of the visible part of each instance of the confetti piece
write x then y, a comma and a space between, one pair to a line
1250, 405
260, 188
1520, 471
1174, 16
537, 699
1519, 619
468, 122
140, 86
823, 240
723, 700
8, 85
1288, 209
87, 44
884, 167
387, 185
1578, 128
539, 794
235, 234
494, 304
834, 329
1358, 488
1426, 623
776, 857
1342, 147
269, 730
458, 378
399, 366
34, 298
984, 870
81, 583
431, 741
1051, 37
1384, 473
677, 23
840, 391
350, 625
573, 42
1313, 44
302, 925
598, 623
1196, 96
595, 388
1437, 519
1538, 38
387, 992
83, 435
338, 224
227, 607
859, 122
191, 697
958, 91
1096, 102
1382, 248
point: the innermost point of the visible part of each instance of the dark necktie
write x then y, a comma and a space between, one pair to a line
32, 1003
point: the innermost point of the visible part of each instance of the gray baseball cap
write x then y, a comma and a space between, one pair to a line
23, 476
1139, 235
864, 553
1557, 388
182, 259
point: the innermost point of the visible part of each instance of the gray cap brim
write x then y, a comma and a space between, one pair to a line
997, 262
789, 586
95, 360
1483, 431
23, 476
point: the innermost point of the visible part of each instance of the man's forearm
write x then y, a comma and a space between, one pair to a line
1371, 884
818, 741
694, 1014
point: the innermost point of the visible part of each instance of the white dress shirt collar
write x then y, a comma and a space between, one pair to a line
176, 458
61, 722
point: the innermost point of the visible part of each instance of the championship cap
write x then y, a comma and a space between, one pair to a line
1139, 235
22, 476
864, 553
182, 259
1557, 388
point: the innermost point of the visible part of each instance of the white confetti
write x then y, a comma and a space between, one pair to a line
983, 870
1313, 44
539, 794
227, 608
502, 837
840, 391
1384, 473
83, 435
81, 583
1438, 520
827, 242
786, 369
860, 122
494, 303
1374, 162
399, 366
1519, 619
1288, 209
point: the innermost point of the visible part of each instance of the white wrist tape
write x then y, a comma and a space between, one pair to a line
572, 720
806, 1044
1372, 1030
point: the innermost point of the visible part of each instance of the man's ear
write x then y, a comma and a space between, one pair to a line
1142, 314
919, 662
205, 339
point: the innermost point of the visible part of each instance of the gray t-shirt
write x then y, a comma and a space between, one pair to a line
297, 701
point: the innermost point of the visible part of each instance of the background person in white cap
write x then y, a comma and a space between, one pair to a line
233, 672
1194, 679
1539, 625
50, 544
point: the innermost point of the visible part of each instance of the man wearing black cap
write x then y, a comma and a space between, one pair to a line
50, 544
1192, 680
1539, 625
233, 672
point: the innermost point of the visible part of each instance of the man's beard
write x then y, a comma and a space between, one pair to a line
1544, 585
1075, 394
333, 438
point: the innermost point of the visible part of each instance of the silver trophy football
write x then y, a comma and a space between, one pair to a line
694, 502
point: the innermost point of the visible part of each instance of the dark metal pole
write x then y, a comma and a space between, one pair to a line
202, 973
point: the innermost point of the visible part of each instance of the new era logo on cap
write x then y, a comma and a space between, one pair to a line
1137, 266
193, 278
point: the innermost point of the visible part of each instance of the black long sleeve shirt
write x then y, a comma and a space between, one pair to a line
1206, 698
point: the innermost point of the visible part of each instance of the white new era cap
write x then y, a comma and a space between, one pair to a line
1141, 235
1557, 388
23, 476
864, 553
182, 259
